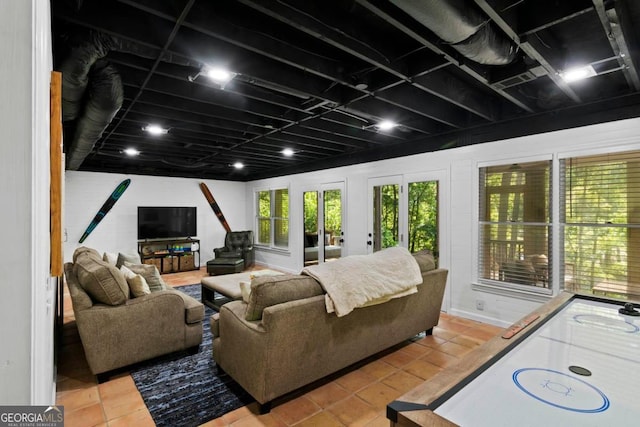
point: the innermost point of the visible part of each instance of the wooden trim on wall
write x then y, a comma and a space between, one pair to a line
55, 156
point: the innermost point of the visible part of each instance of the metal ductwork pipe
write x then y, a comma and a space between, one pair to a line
459, 23
75, 71
104, 99
92, 90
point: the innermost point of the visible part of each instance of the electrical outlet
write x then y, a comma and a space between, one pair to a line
479, 304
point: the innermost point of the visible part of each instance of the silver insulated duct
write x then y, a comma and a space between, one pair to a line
103, 101
92, 90
92, 94
464, 27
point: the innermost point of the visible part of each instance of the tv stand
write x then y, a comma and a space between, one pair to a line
171, 255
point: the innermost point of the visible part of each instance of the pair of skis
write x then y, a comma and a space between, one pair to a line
120, 189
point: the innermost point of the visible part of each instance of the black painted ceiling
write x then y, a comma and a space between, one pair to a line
317, 76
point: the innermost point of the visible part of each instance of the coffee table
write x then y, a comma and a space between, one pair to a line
218, 290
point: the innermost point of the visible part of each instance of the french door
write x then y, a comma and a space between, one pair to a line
323, 212
404, 210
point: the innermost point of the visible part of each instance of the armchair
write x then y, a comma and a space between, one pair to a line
238, 244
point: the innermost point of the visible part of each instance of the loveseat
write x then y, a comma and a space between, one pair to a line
293, 341
117, 329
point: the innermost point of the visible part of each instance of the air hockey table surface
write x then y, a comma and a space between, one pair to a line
578, 363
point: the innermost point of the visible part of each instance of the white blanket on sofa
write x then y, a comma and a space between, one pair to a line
361, 280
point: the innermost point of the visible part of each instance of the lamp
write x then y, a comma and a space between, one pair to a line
218, 75
382, 125
155, 129
579, 73
386, 125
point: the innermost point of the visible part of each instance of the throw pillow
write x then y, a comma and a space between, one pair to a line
245, 290
103, 282
110, 257
85, 250
425, 260
271, 290
130, 258
137, 284
150, 274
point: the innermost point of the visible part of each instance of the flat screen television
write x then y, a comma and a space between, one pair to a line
157, 222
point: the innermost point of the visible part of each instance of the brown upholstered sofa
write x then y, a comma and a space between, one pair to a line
296, 342
117, 329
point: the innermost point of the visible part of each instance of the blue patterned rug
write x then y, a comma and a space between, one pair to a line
187, 390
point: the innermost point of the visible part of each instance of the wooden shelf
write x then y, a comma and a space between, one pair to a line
171, 255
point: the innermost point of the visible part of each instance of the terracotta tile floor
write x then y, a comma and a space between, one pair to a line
357, 398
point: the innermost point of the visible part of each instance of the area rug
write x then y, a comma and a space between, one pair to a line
187, 390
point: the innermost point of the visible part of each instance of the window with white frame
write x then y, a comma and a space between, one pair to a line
600, 221
515, 225
272, 218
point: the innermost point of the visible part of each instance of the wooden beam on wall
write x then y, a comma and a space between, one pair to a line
55, 157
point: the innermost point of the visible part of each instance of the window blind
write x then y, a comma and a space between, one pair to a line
600, 219
515, 224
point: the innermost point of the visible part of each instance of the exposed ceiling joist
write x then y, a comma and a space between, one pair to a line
318, 77
611, 22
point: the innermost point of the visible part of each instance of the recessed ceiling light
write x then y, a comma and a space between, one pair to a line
386, 125
578, 73
131, 152
220, 75
155, 129
238, 165
287, 152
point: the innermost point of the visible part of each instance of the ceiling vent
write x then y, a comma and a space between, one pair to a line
514, 80
527, 76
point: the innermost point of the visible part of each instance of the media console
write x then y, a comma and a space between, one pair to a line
171, 255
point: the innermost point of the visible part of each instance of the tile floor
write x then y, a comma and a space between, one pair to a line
357, 398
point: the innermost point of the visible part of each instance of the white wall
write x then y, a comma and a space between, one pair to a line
459, 238
26, 291
85, 192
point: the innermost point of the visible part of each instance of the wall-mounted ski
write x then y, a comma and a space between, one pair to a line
106, 207
214, 206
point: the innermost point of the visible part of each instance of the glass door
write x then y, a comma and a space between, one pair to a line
323, 223
423, 217
404, 211
384, 213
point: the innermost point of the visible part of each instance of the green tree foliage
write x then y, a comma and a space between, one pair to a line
423, 216
422, 211
264, 214
311, 212
595, 252
333, 212
389, 213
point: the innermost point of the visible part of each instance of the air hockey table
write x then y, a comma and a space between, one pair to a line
574, 361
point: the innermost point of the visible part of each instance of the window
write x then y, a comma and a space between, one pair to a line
600, 219
386, 215
272, 219
423, 216
515, 224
